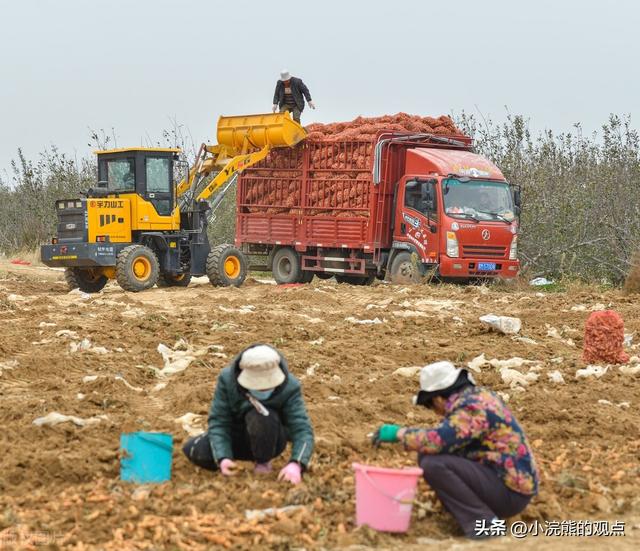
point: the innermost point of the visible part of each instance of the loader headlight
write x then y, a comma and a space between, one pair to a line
70, 204
453, 250
78, 204
60, 205
513, 250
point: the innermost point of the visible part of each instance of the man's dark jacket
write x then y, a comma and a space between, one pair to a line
298, 90
230, 405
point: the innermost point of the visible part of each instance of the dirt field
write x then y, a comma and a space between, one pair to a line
59, 485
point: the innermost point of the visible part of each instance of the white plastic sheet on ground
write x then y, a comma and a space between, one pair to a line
525, 340
55, 418
629, 369
130, 312
595, 371
507, 368
410, 314
67, 333
540, 282
191, 423
179, 357
85, 345
515, 379
374, 321
503, 324
555, 377
128, 384
555, 334
476, 363
408, 372
624, 405
311, 370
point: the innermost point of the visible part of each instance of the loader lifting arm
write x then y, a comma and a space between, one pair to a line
242, 142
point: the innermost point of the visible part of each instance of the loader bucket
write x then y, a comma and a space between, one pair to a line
274, 130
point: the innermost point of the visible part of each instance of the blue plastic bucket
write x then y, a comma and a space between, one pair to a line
146, 457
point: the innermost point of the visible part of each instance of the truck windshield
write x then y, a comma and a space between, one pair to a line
479, 200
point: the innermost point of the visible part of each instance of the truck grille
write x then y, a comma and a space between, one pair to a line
71, 225
483, 251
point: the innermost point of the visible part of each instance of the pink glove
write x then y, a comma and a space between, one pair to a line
228, 467
291, 473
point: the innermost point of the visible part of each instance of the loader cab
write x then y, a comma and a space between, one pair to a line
146, 172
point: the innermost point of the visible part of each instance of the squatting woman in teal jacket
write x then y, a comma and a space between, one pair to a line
257, 408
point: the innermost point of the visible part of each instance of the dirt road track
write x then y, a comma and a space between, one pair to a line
62, 481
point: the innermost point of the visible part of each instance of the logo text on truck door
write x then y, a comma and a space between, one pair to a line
411, 220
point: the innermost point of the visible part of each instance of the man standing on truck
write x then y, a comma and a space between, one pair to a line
477, 460
290, 95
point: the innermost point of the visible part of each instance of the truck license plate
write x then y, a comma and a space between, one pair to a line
486, 266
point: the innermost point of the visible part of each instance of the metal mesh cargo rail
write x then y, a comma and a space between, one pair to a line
316, 178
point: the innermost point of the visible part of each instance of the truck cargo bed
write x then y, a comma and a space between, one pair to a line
319, 194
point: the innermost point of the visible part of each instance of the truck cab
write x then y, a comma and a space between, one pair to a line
458, 214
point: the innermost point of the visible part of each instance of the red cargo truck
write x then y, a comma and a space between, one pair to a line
399, 206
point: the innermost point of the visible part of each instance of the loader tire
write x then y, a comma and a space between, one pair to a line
226, 266
137, 268
356, 280
286, 267
85, 279
405, 270
174, 280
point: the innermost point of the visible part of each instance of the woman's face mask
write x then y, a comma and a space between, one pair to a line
261, 394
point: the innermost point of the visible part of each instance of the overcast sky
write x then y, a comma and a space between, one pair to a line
71, 65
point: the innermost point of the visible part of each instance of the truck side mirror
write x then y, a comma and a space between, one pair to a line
517, 198
428, 197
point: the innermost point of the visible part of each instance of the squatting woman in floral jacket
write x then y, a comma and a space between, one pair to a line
478, 459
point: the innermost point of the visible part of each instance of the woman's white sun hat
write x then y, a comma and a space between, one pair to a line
439, 376
260, 368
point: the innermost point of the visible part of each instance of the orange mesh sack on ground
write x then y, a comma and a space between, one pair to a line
604, 338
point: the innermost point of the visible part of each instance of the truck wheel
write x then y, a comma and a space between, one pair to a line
404, 269
356, 280
324, 275
137, 268
85, 279
306, 276
174, 280
286, 266
226, 266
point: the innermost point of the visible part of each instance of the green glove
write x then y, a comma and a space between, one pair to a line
386, 433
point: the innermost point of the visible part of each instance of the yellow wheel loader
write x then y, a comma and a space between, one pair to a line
140, 228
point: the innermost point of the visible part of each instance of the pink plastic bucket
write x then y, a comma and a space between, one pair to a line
384, 497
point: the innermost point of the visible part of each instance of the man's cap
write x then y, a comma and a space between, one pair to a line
284, 75
260, 368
